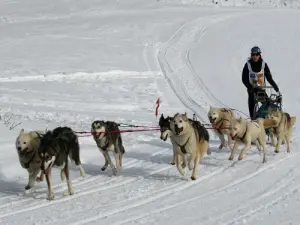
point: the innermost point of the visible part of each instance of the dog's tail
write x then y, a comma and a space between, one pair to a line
203, 148
291, 120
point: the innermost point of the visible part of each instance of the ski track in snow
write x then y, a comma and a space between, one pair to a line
176, 67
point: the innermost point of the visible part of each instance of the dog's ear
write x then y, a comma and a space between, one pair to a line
185, 117
22, 131
162, 116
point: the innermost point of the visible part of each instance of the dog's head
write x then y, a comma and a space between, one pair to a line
179, 124
274, 114
48, 149
238, 126
26, 143
213, 114
164, 124
98, 127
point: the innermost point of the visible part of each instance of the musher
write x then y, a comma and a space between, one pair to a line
254, 73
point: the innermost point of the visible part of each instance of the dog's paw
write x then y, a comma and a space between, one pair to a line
230, 158
193, 178
240, 157
66, 193
221, 146
208, 152
50, 196
115, 171
172, 163
276, 151
103, 168
27, 187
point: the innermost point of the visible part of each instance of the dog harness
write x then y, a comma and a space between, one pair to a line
256, 78
182, 147
219, 126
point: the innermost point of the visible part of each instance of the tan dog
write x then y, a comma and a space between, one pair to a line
283, 128
221, 120
244, 131
27, 145
188, 139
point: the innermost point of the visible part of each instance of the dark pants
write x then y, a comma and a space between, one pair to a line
251, 104
251, 101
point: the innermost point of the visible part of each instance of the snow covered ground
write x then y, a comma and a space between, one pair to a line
72, 62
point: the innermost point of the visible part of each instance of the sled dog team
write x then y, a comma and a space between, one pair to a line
39, 151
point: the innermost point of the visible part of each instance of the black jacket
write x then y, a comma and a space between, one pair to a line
256, 67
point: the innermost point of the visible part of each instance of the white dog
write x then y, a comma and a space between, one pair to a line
250, 131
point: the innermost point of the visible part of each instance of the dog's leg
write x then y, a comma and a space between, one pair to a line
258, 145
223, 142
41, 177
245, 149
191, 161
235, 147
288, 139
103, 168
184, 161
273, 140
69, 184
120, 158
117, 158
49, 184
174, 155
32, 178
62, 175
196, 162
280, 139
106, 155
179, 165
230, 145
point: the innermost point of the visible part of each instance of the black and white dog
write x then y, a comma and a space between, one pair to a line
108, 138
55, 148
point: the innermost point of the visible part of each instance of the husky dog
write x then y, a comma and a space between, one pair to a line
27, 145
244, 131
189, 138
165, 132
54, 150
283, 128
221, 120
108, 138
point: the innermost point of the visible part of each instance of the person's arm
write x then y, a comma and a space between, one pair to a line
269, 77
245, 77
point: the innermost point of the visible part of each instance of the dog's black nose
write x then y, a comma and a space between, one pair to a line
19, 148
176, 125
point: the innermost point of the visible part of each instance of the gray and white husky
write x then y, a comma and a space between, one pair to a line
108, 138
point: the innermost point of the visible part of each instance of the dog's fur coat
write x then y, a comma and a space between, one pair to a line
246, 132
222, 120
108, 138
283, 128
55, 148
165, 133
188, 138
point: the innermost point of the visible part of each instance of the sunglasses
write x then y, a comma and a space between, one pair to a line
255, 54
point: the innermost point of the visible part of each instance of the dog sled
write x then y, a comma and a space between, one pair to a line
264, 101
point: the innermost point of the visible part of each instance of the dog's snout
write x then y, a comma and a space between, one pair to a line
19, 148
176, 125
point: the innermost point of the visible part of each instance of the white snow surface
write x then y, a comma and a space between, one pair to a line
68, 63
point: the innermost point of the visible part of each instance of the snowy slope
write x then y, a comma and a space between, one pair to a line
72, 62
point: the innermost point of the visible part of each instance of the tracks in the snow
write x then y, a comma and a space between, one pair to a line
174, 60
